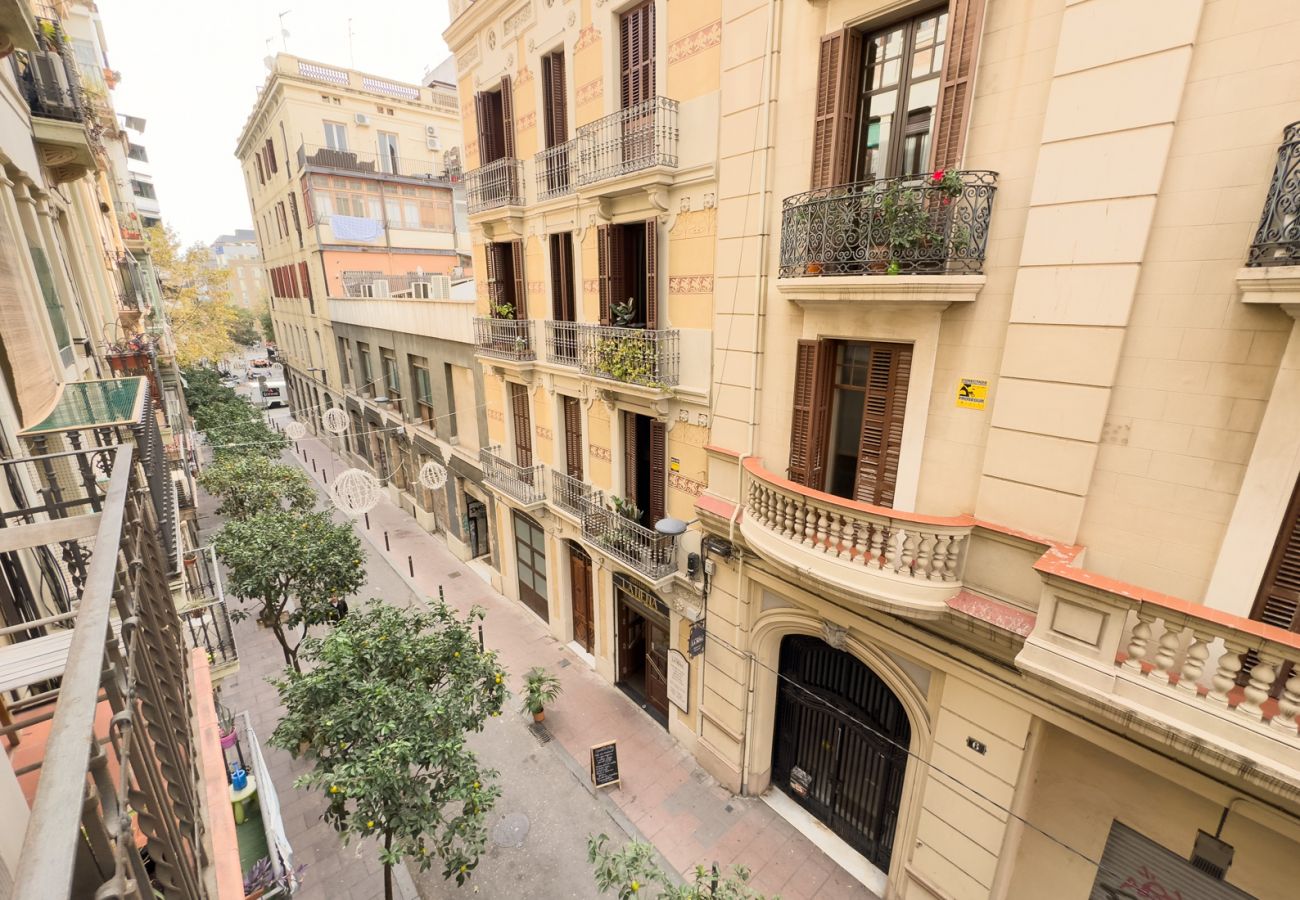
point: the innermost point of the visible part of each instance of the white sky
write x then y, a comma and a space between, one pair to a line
191, 69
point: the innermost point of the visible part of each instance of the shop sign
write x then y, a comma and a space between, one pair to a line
679, 680
695, 646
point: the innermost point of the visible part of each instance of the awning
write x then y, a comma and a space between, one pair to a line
94, 404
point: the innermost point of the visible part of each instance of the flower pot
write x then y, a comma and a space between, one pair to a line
228, 739
256, 895
539, 715
813, 268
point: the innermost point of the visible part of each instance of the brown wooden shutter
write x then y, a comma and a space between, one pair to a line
636, 35
563, 306
630, 457
257, 162
307, 199
813, 360
523, 425
965, 24
652, 274
270, 156
495, 281
609, 256
483, 126
517, 269
834, 104
293, 280
1278, 601
507, 118
557, 120
658, 469
306, 280
888, 369
573, 437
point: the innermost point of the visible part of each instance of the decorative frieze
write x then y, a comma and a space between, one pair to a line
592, 90
587, 37
696, 42
685, 485
690, 284
598, 452
518, 20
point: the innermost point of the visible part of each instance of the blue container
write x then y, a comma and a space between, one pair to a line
239, 779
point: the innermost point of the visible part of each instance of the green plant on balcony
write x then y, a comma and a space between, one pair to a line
631, 360
617, 537
624, 314
914, 219
503, 310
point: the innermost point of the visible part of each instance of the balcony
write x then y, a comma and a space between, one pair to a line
510, 339
631, 140
120, 759
315, 158
1277, 241
642, 549
562, 343
572, 494
556, 170
390, 233
205, 618
381, 286
924, 226
495, 185
49, 82
526, 484
128, 223
633, 356
903, 562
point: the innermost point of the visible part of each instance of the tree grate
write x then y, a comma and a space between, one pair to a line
541, 732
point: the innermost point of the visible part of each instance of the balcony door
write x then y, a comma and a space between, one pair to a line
628, 262
636, 47
846, 430
644, 472
1278, 600
522, 425
572, 436
388, 153
496, 123
564, 300
555, 123
505, 277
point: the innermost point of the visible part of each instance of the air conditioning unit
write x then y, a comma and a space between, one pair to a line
362, 119
420, 290
375, 289
431, 137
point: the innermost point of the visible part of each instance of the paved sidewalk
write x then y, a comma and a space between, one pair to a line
664, 793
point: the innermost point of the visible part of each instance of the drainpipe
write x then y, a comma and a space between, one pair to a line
760, 273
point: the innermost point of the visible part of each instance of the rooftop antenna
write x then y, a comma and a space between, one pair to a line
284, 32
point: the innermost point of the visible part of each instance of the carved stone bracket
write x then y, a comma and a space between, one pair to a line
684, 601
835, 635
657, 196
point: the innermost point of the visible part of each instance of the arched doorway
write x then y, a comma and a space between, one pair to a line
839, 747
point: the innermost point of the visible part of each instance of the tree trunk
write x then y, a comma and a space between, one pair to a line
388, 869
290, 656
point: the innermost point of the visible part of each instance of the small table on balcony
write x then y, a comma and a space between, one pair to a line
239, 799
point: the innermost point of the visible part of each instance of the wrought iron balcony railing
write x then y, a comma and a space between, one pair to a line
1277, 241
48, 76
630, 355
650, 553
629, 140
103, 793
929, 225
205, 617
504, 338
496, 184
363, 162
556, 175
572, 494
527, 484
562, 343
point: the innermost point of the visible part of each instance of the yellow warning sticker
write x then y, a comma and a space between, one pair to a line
971, 393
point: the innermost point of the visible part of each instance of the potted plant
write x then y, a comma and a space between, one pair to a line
624, 314
259, 880
503, 311
226, 726
540, 688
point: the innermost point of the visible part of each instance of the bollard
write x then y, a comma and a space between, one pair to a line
410, 564
367, 521
480, 637
386, 547
325, 473
441, 598
313, 465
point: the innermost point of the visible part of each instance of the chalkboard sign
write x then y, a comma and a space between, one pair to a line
604, 764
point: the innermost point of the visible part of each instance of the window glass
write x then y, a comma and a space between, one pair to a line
336, 135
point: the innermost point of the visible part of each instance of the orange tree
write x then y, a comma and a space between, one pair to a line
383, 712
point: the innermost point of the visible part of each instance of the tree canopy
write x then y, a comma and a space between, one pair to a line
249, 484
633, 873
289, 564
383, 713
196, 296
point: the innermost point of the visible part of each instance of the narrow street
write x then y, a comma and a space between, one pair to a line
538, 831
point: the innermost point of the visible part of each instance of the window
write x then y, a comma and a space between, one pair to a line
367, 385
336, 135
636, 29
505, 277
269, 151
627, 261
847, 428
1278, 601
893, 102
449, 378
143, 189
136, 152
572, 408
494, 113
388, 153
644, 475
345, 361
522, 425
564, 306
261, 175
392, 381
423, 390
555, 118
404, 206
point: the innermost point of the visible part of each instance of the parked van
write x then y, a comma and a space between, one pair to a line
269, 394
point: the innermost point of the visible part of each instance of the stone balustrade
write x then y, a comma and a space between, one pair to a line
914, 560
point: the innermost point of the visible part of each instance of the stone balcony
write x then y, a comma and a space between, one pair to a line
524, 484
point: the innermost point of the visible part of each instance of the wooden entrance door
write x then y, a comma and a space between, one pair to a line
584, 619
530, 557
656, 666
631, 642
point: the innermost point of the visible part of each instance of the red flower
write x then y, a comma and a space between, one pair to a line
938, 176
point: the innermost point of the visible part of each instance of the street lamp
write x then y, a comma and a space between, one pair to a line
673, 527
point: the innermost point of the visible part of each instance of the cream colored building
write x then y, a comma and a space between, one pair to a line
241, 259
991, 436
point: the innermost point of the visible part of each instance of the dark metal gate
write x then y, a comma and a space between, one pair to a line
839, 747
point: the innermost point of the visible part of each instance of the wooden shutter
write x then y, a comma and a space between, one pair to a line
651, 274
636, 35
557, 120
306, 280
507, 119
270, 156
523, 426
517, 270
658, 469
965, 24
496, 287
483, 125
1278, 601
563, 306
307, 200
293, 280
605, 235
838, 64
629, 457
812, 370
257, 161
888, 369
573, 437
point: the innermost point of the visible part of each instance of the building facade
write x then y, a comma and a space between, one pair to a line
990, 439
359, 210
241, 259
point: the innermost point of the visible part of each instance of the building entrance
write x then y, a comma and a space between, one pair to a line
641, 623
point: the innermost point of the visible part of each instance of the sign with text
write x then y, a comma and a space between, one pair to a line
604, 764
695, 645
679, 680
972, 393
